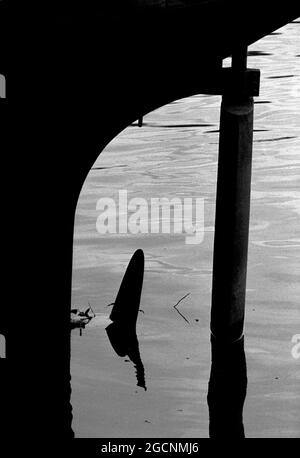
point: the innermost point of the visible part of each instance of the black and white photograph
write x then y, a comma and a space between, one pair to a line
152, 214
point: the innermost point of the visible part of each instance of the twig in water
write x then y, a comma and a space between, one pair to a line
181, 300
92, 309
175, 307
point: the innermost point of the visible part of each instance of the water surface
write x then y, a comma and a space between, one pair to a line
175, 154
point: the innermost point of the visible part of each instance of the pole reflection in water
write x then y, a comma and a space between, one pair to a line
227, 389
122, 331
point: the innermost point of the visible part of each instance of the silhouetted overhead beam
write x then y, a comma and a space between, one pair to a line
211, 25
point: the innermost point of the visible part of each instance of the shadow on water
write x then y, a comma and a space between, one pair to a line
259, 53
112, 167
261, 140
122, 331
173, 126
280, 76
227, 389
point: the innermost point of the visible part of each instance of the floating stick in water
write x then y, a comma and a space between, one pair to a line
175, 307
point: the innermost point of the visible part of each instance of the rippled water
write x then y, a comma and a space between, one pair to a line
175, 155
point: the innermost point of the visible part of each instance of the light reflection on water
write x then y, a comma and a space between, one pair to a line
175, 154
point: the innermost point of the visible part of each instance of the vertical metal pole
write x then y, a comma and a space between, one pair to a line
232, 212
228, 377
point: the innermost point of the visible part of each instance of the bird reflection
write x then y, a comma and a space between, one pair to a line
122, 331
125, 343
227, 389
